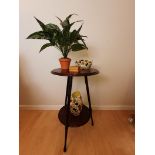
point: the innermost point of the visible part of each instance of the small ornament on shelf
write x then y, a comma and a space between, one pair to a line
76, 103
84, 64
74, 69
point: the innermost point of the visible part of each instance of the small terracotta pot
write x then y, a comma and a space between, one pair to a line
65, 63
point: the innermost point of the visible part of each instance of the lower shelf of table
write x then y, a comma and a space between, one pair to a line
74, 121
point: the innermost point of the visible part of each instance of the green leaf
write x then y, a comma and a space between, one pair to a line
59, 19
79, 37
37, 35
45, 46
66, 23
77, 47
42, 25
73, 35
79, 28
75, 22
84, 36
59, 39
67, 18
52, 27
84, 43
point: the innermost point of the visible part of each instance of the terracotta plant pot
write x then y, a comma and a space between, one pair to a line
65, 63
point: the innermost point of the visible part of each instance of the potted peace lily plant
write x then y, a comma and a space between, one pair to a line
62, 38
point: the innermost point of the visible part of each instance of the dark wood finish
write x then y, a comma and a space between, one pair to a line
74, 121
68, 92
88, 72
64, 115
67, 87
88, 96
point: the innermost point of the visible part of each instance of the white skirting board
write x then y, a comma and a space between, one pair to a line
94, 107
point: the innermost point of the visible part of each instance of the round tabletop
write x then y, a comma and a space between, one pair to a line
87, 72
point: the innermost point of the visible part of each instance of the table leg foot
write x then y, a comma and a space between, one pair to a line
92, 123
65, 149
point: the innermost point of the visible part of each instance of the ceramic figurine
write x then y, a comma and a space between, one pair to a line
76, 103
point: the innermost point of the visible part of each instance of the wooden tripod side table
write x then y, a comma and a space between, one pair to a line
64, 115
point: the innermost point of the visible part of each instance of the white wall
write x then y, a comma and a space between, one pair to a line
109, 25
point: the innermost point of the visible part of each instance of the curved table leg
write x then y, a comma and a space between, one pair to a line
68, 93
88, 95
